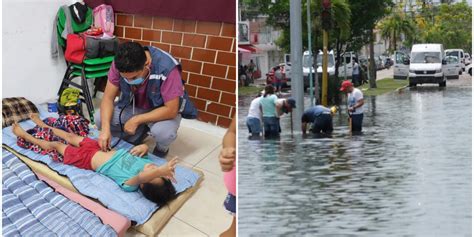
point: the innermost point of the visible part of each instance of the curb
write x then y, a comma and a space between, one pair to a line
401, 88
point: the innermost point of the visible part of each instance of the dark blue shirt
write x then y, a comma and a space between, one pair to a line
310, 114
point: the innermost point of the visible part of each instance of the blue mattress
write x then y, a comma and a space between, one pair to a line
32, 208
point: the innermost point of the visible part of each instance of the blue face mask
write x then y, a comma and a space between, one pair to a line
137, 81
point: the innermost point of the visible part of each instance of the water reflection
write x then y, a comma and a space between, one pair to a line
409, 173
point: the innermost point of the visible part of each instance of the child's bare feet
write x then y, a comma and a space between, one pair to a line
18, 130
36, 119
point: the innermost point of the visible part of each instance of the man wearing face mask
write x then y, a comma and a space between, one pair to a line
152, 97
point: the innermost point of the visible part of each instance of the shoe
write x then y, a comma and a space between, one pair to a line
161, 154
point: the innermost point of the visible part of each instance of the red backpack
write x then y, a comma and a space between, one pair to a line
75, 48
104, 19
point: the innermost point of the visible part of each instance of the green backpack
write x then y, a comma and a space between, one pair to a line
70, 102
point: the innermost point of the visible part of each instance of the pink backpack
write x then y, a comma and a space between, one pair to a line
104, 18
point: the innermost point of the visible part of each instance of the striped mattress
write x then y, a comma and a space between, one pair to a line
32, 208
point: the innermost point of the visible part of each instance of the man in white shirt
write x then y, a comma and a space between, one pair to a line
355, 103
254, 116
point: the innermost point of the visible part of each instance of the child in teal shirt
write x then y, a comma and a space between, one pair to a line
129, 169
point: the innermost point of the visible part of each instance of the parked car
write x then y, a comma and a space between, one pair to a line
452, 69
459, 53
379, 63
348, 58
469, 69
386, 62
401, 65
467, 59
308, 67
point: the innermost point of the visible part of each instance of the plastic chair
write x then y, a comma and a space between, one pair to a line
90, 68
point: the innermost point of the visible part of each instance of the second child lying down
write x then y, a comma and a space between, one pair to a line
127, 168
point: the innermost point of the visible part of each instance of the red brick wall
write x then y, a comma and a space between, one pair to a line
206, 51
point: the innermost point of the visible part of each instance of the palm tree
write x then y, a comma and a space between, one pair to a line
394, 25
341, 25
338, 35
341, 12
341, 18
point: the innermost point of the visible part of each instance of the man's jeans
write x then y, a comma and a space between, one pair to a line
164, 132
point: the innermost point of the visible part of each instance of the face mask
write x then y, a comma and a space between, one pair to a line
137, 81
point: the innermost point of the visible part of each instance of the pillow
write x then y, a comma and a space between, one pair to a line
16, 109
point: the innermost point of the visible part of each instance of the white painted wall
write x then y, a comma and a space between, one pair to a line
28, 68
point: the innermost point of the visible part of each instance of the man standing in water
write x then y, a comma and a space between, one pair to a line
355, 103
285, 105
254, 117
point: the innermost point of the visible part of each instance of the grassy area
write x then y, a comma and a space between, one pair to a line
383, 86
249, 90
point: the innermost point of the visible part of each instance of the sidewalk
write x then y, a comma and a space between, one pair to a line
197, 146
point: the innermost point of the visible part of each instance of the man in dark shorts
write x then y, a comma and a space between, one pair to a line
320, 117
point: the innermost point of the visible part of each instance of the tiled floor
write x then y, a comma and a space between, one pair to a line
203, 213
198, 145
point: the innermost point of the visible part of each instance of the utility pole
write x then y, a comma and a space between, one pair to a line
325, 69
326, 20
311, 95
296, 65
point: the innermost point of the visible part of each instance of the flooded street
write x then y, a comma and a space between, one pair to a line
408, 174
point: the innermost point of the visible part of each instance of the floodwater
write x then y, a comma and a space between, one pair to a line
408, 174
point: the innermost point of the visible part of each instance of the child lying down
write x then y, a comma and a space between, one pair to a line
127, 168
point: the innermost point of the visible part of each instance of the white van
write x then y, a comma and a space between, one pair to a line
307, 62
401, 65
426, 65
346, 70
331, 63
467, 59
459, 53
307, 68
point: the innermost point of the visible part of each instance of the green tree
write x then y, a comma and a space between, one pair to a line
451, 26
394, 25
368, 13
341, 33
